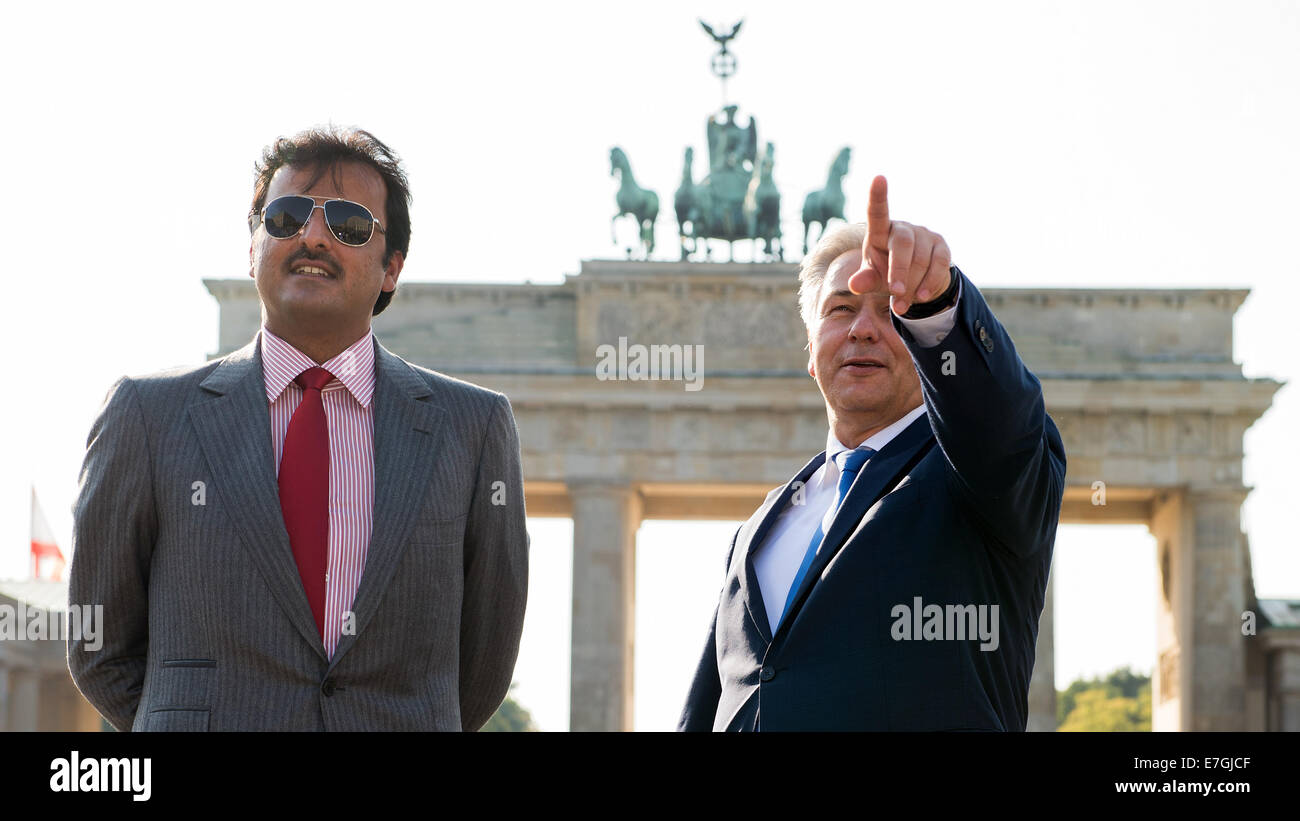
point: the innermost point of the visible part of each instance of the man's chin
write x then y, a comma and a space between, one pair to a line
869, 382
856, 400
304, 310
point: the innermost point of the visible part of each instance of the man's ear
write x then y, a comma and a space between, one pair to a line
250, 259
392, 271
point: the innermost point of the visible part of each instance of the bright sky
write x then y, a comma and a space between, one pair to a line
1092, 143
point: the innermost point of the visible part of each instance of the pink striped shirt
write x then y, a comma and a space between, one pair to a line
349, 416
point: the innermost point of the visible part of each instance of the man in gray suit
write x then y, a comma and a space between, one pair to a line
310, 533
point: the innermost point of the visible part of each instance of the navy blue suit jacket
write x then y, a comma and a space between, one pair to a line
959, 509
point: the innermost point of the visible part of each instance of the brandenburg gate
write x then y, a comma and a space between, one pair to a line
1141, 383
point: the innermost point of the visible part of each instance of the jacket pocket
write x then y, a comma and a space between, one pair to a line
182, 684
177, 721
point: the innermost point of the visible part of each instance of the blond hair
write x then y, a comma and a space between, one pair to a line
844, 237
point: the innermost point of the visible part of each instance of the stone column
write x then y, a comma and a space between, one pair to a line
605, 520
1284, 689
5, 694
24, 700
1170, 705
1200, 677
1218, 665
1042, 683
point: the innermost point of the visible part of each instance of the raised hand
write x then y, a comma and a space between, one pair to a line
909, 261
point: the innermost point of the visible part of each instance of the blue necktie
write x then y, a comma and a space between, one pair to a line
850, 462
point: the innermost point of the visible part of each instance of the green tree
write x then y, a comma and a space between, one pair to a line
1126, 682
1117, 702
510, 717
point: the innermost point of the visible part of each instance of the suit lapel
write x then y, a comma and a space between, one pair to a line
234, 431
749, 587
408, 433
885, 470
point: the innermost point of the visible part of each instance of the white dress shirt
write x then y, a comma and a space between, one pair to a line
777, 559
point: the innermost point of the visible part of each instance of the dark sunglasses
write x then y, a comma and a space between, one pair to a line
350, 222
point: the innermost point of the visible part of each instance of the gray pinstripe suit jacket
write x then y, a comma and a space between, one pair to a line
206, 625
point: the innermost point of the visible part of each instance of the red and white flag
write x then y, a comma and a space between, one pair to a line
47, 559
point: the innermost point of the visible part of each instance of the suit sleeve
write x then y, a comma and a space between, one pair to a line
988, 416
115, 527
496, 573
706, 687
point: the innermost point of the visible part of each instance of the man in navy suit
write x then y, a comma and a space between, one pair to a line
895, 583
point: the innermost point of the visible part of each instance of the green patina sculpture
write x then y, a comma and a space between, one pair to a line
731, 165
687, 205
724, 62
763, 204
641, 203
737, 199
820, 207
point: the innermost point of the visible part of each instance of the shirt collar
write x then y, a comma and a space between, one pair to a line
877, 441
354, 367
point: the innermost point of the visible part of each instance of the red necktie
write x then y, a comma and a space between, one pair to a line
305, 489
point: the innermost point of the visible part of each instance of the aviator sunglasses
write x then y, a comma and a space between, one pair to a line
350, 222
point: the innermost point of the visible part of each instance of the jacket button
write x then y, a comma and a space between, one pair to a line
327, 687
766, 674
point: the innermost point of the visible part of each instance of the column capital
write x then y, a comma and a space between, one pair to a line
1217, 493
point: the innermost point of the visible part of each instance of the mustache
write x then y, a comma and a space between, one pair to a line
304, 254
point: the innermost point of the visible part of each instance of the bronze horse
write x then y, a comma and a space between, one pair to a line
641, 203
827, 204
723, 206
763, 205
687, 206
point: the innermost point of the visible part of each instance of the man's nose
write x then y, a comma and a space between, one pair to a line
316, 233
865, 326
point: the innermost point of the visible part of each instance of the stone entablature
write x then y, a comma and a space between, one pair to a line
746, 316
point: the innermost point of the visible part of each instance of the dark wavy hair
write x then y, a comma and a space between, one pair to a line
326, 147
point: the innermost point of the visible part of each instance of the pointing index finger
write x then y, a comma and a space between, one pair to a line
878, 223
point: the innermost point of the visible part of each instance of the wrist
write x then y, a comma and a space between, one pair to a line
944, 301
